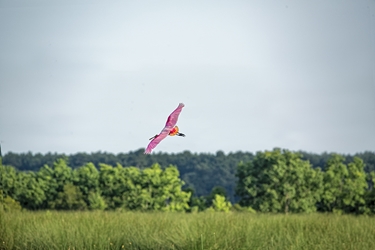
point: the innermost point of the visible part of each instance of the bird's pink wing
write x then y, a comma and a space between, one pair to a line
164, 133
173, 117
171, 122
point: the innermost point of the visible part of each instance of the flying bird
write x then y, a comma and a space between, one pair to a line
169, 129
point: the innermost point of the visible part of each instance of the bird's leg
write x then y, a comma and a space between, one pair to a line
181, 134
153, 137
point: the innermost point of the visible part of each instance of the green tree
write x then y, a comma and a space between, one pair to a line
279, 181
149, 189
54, 179
218, 190
344, 186
355, 187
86, 178
334, 181
8, 204
117, 185
177, 199
157, 189
96, 201
31, 191
70, 198
221, 204
8, 180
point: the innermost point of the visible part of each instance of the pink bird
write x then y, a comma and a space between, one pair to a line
169, 129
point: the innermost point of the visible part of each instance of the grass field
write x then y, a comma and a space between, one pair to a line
126, 230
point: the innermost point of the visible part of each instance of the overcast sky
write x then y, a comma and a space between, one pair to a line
87, 76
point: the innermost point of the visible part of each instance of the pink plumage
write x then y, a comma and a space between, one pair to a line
169, 125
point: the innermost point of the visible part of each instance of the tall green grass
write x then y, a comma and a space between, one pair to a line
128, 230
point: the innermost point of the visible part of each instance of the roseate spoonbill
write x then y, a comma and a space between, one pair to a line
169, 129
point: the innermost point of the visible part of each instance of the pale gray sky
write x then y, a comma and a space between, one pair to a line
84, 76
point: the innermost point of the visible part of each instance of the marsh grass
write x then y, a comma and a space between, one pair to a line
128, 230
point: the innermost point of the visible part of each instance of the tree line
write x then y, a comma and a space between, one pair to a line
282, 181
269, 181
201, 172
111, 187
60, 187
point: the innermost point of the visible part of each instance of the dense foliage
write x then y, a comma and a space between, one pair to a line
281, 181
60, 187
201, 172
270, 181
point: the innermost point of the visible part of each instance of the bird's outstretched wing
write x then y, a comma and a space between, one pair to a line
156, 141
173, 117
171, 122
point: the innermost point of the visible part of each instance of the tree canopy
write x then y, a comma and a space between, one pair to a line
271, 181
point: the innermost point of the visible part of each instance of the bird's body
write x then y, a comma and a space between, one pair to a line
169, 129
174, 131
